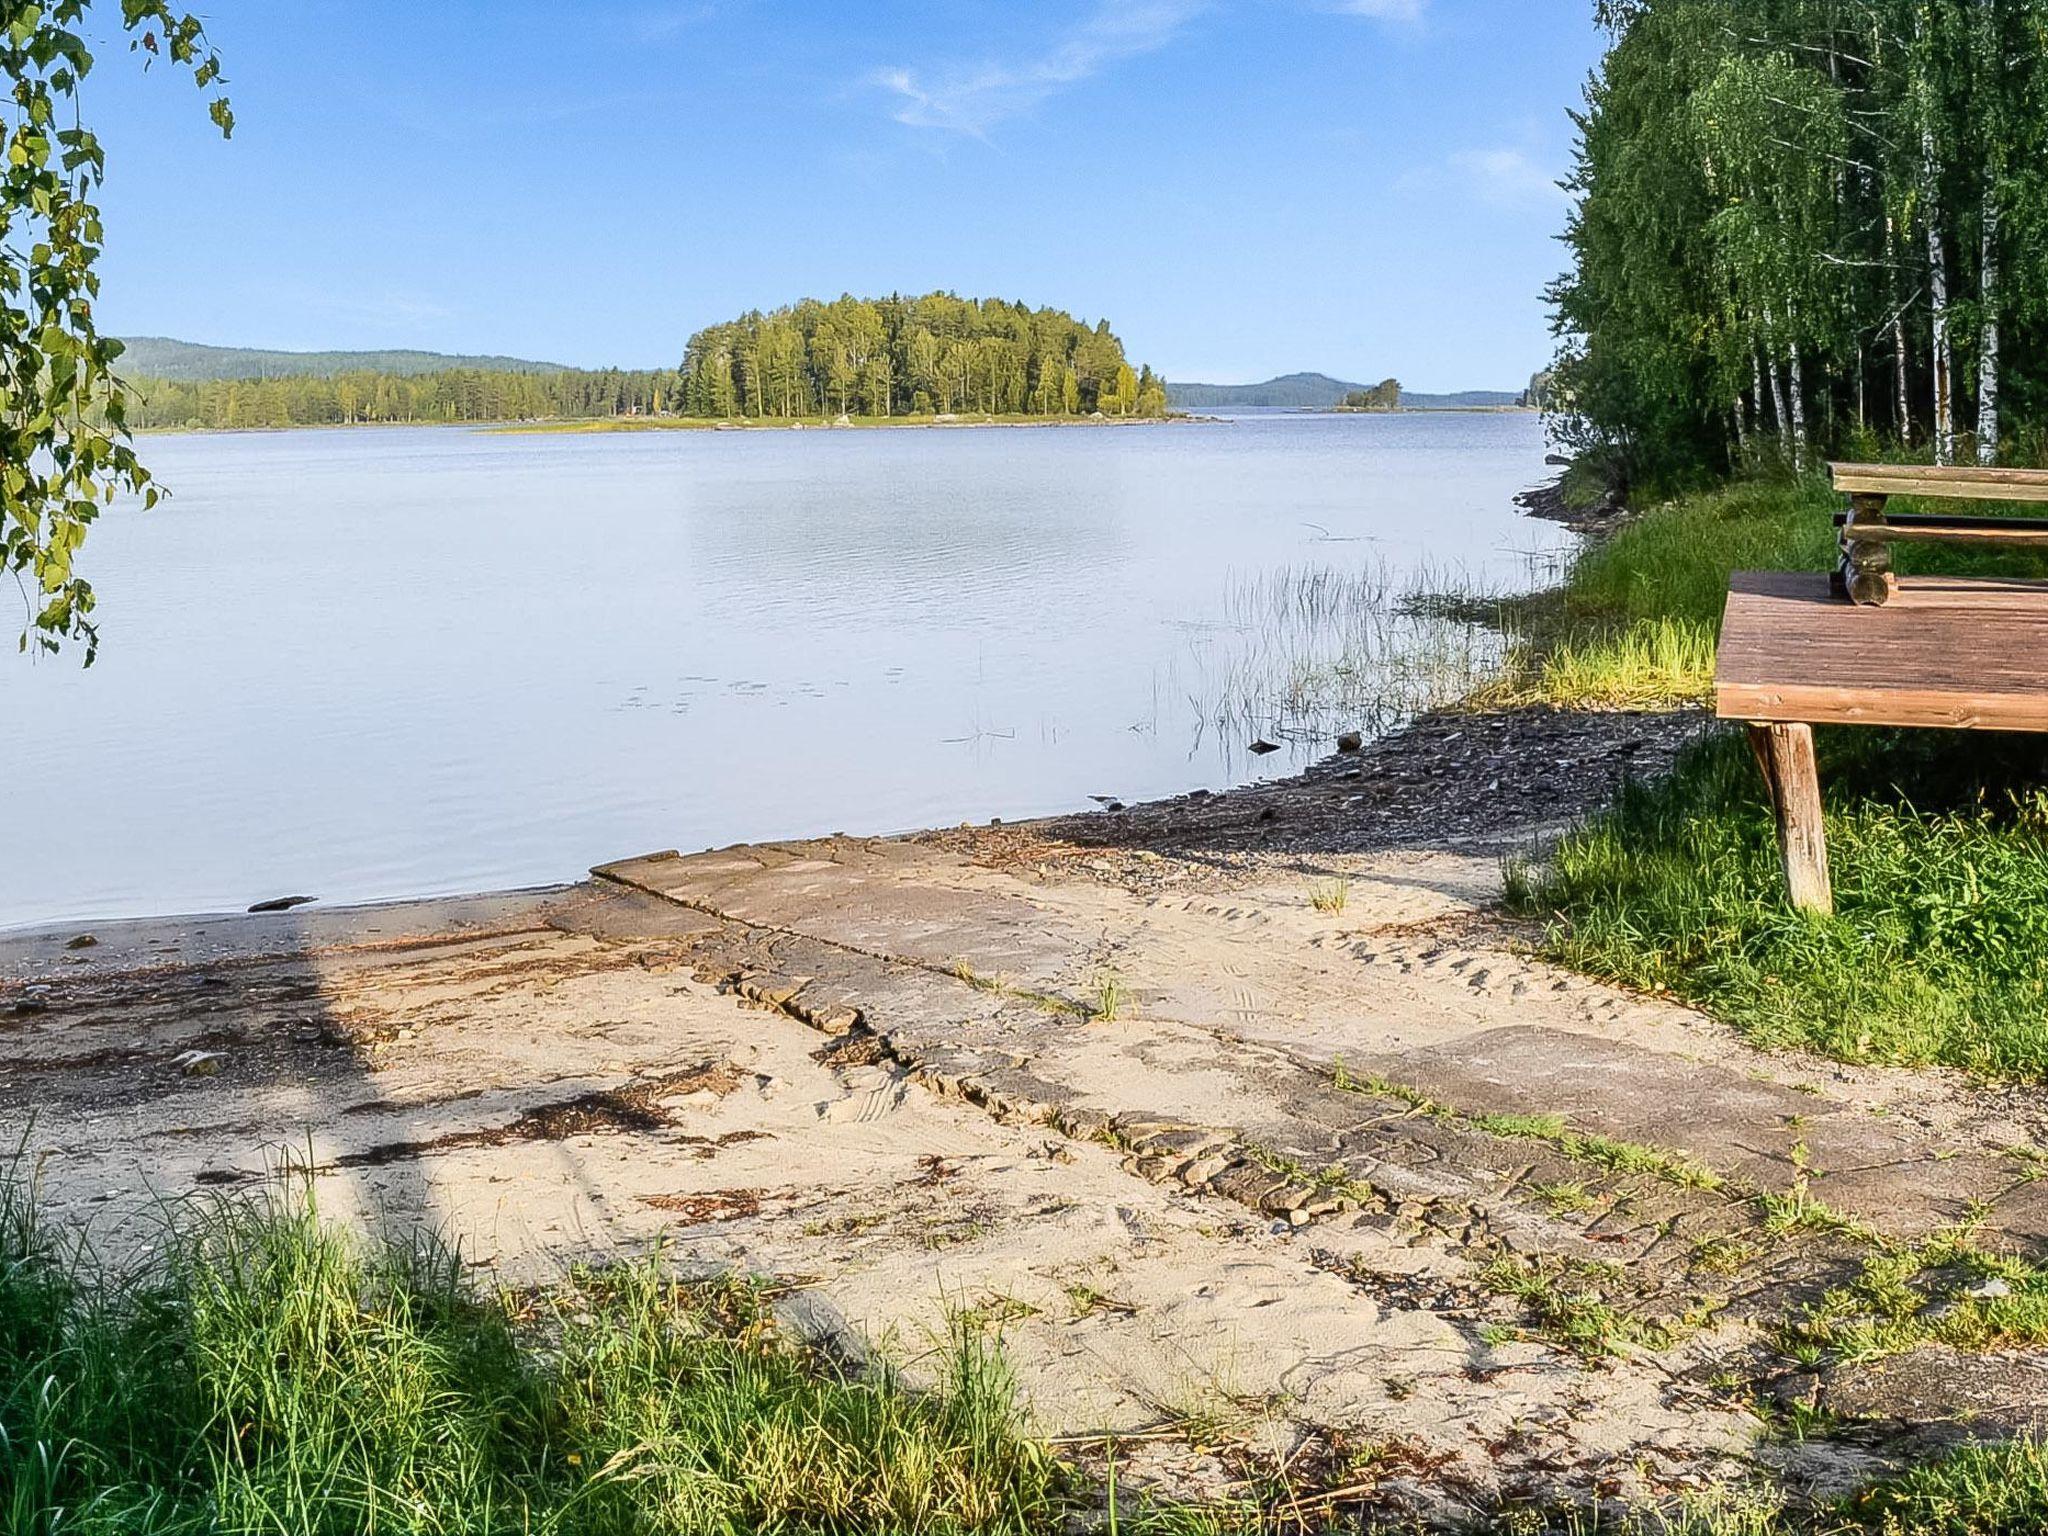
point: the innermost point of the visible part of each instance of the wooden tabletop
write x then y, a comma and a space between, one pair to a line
1952, 652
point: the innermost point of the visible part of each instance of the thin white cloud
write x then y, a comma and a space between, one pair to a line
659, 23
1508, 178
972, 100
1381, 10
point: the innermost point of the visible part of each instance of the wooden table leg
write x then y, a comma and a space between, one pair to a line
1791, 773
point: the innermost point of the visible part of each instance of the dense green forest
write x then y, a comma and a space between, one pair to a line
902, 356
455, 394
871, 358
1806, 225
165, 357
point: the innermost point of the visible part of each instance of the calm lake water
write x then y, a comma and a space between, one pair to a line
376, 663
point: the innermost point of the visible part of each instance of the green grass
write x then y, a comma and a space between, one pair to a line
1330, 897
1610, 1152
1111, 997
1938, 952
1976, 1490
1992, 1490
1635, 622
1947, 1290
263, 1372
1938, 949
266, 1373
1571, 1302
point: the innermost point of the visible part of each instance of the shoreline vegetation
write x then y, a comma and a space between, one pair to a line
1798, 235
931, 356
1938, 953
262, 1369
628, 424
841, 423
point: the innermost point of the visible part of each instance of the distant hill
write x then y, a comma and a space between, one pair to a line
1292, 391
160, 357
1318, 392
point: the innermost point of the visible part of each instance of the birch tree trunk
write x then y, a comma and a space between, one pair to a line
1988, 344
1797, 373
1901, 367
1780, 411
1937, 302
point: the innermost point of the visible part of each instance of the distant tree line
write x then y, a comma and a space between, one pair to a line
887, 357
1383, 396
1802, 224
455, 395
899, 356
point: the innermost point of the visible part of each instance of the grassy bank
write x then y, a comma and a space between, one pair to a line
264, 1373
1939, 948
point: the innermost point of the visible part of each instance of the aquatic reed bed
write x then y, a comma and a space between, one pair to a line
1308, 653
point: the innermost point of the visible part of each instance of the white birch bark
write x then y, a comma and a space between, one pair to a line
1781, 413
1988, 345
1797, 374
1901, 367
1943, 350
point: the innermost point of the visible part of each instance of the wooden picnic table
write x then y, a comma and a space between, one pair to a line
1867, 647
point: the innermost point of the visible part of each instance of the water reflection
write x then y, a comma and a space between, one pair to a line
383, 662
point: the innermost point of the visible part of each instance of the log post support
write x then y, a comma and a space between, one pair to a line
1865, 576
1792, 776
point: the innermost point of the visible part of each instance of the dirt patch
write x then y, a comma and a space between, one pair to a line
702, 1209
639, 1107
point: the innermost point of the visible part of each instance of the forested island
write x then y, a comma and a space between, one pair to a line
872, 359
934, 355
1383, 396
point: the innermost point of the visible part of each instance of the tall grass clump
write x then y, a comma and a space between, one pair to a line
1937, 952
1635, 623
264, 1372
1309, 652
1674, 561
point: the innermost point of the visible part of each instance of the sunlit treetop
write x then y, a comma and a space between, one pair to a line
64, 444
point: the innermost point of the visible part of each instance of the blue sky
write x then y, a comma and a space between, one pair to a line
1244, 187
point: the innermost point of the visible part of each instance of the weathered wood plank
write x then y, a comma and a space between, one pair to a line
1792, 774
1945, 652
1946, 533
1948, 520
1965, 483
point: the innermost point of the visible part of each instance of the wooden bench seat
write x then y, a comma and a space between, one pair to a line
1869, 529
1945, 652
1948, 652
